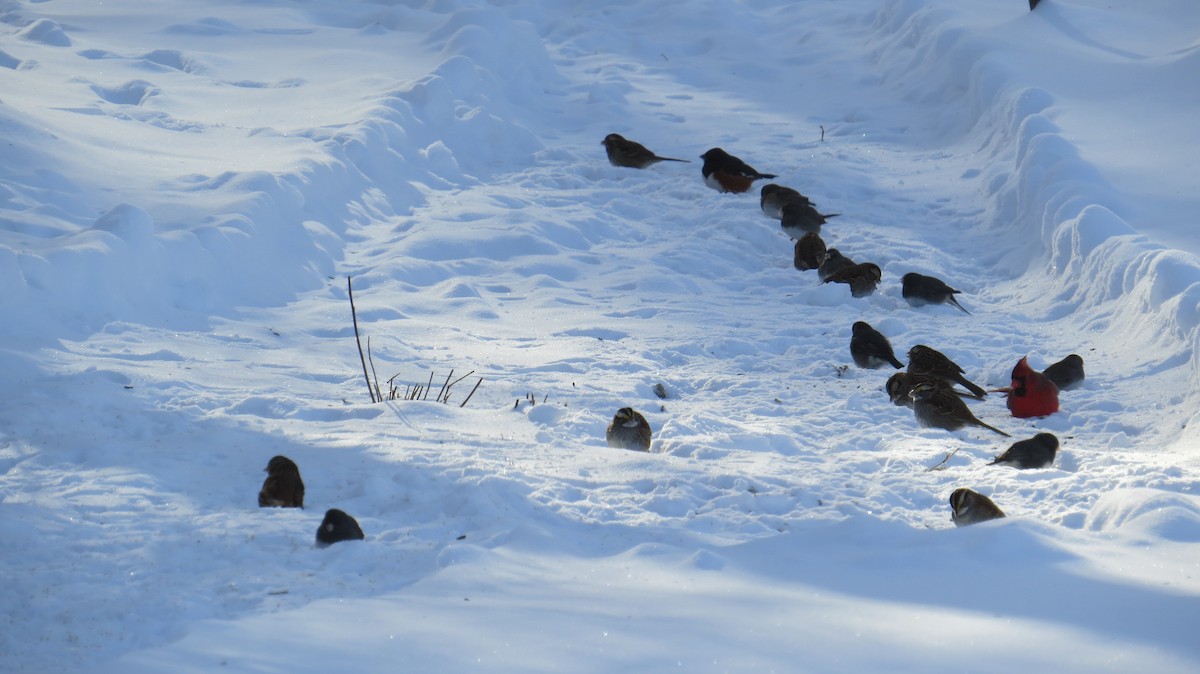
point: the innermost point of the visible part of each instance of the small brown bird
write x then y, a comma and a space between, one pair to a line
1036, 452
336, 527
919, 290
283, 487
809, 252
797, 219
772, 197
834, 261
970, 507
870, 349
1066, 373
923, 360
623, 152
726, 173
936, 407
862, 278
899, 387
628, 430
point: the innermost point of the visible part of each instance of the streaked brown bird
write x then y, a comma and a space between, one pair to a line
970, 507
797, 219
862, 278
809, 252
630, 154
919, 290
1036, 452
337, 527
936, 407
283, 487
923, 360
726, 173
772, 197
899, 387
834, 262
1066, 373
628, 430
870, 349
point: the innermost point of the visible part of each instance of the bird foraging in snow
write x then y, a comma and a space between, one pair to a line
283, 487
936, 407
1066, 373
899, 387
627, 153
834, 261
870, 349
1036, 452
797, 219
919, 290
970, 507
628, 430
1031, 394
923, 360
809, 252
772, 197
726, 173
336, 527
862, 278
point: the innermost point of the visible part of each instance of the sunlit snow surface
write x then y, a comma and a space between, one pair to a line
185, 188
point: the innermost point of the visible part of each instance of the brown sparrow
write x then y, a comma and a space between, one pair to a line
970, 507
628, 430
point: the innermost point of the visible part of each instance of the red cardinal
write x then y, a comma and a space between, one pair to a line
1032, 393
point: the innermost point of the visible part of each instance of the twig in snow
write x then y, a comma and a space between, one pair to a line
464, 403
941, 465
357, 340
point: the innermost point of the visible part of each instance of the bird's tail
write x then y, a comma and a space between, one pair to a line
993, 428
979, 393
953, 301
686, 161
896, 363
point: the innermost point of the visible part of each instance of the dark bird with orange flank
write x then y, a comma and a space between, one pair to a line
1066, 373
970, 507
627, 153
870, 349
283, 487
1032, 394
726, 173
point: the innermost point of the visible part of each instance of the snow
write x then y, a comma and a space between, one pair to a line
186, 187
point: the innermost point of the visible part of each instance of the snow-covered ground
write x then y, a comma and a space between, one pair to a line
186, 187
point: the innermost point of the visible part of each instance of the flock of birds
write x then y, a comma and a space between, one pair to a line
928, 384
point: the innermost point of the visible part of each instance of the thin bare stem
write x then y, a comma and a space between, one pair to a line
357, 340
464, 403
